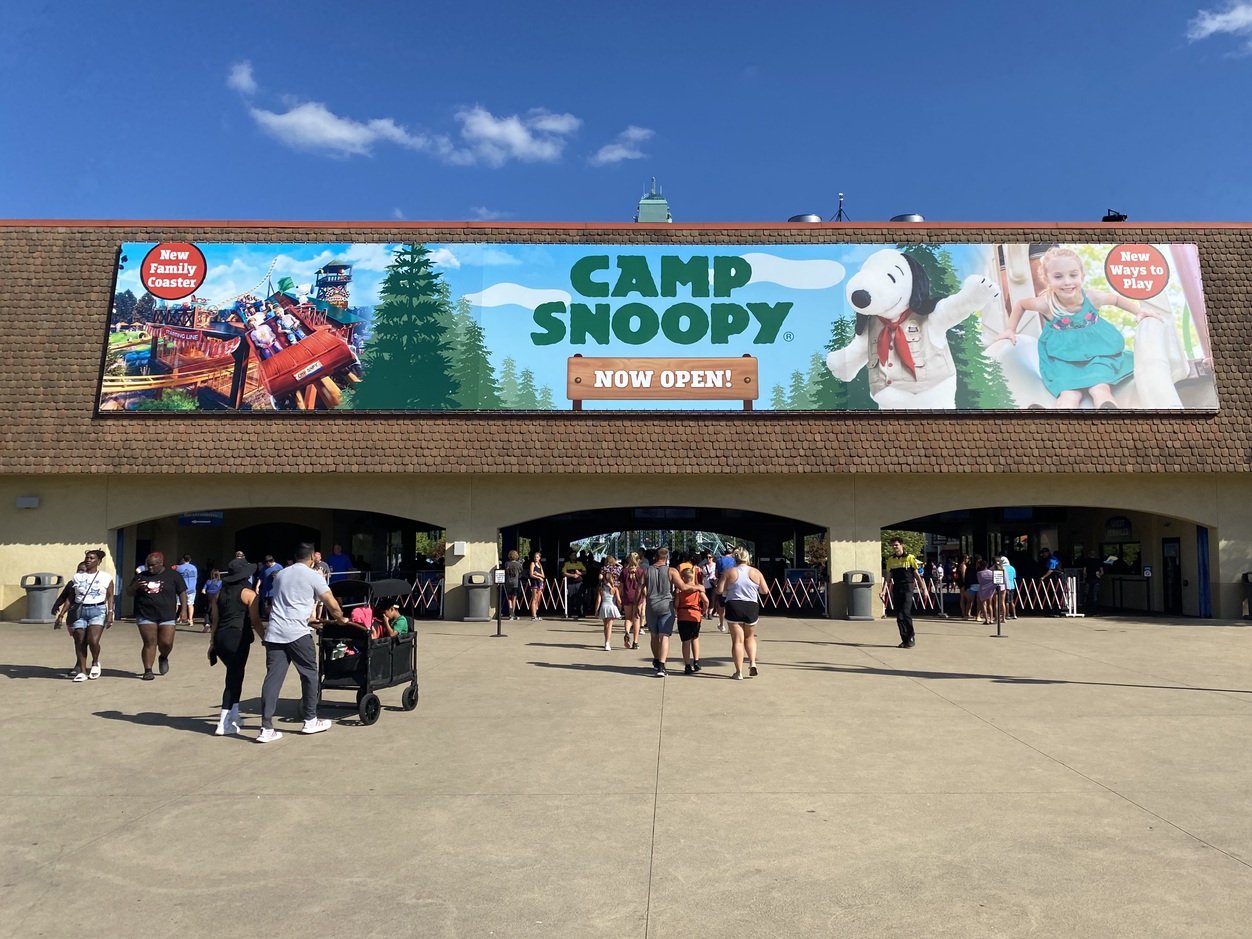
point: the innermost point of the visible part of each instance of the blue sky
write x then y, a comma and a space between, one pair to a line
562, 111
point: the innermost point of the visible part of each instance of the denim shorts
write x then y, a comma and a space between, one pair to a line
660, 623
90, 614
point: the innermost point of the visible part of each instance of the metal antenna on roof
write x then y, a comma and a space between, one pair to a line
841, 216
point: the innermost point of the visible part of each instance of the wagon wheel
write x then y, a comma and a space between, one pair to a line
408, 700
369, 709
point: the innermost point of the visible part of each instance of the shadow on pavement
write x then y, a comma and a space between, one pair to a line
198, 725
995, 679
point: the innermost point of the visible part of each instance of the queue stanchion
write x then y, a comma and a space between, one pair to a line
498, 579
1000, 580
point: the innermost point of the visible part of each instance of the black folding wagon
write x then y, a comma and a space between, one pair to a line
350, 658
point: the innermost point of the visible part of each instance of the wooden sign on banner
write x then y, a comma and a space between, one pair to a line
612, 378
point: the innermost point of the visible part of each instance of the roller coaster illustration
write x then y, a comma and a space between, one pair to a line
296, 351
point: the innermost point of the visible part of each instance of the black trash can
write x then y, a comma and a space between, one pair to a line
859, 587
41, 593
1247, 591
477, 586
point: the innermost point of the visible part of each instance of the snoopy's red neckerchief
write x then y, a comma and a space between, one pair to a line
892, 335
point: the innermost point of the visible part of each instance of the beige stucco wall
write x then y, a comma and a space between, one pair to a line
76, 513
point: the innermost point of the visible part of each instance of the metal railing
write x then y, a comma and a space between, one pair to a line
1048, 595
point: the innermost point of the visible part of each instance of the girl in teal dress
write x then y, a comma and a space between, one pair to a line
1079, 351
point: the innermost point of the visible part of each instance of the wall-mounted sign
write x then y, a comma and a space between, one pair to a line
203, 519
783, 327
1117, 526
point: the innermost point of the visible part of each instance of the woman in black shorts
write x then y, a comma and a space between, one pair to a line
741, 587
534, 583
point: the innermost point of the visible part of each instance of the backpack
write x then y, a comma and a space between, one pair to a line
513, 574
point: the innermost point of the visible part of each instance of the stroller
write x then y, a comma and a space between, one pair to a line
349, 657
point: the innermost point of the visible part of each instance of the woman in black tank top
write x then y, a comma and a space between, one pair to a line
233, 616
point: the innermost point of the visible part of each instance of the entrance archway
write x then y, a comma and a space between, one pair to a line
791, 553
1109, 560
377, 545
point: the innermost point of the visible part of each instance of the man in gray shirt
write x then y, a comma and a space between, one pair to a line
287, 640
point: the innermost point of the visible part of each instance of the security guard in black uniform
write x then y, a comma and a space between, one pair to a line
902, 573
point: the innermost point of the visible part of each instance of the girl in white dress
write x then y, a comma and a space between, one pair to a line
610, 607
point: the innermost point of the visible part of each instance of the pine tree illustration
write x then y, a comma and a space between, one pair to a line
545, 399
471, 363
835, 395
527, 394
980, 383
798, 393
778, 399
405, 359
508, 385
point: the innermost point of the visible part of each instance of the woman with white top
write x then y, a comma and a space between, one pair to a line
90, 609
741, 588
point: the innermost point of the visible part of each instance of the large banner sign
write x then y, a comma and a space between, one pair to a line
526, 327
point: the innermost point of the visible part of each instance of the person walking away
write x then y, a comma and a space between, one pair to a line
631, 589
723, 564
160, 595
902, 576
969, 585
610, 608
708, 576
512, 582
933, 575
741, 588
288, 641
987, 605
87, 613
690, 606
234, 616
210, 589
268, 570
660, 581
1010, 588
572, 573
191, 577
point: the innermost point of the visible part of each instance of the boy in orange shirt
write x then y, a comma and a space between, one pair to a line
690, 605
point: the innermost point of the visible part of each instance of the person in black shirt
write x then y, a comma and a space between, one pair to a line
160, 596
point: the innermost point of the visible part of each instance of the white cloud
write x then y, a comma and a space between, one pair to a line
797, 275
482, 213
313, 126
240, 78
1236, 20
537, 138
396, 213
369, 257
474, 255
442, 257
515, 295
624, 147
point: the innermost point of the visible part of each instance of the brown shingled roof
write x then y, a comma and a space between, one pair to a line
59, 278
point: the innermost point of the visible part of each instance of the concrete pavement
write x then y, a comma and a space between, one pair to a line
1078, 778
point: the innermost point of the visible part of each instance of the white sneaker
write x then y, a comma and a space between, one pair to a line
721, 627
316, 726
608, 647
268, 735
